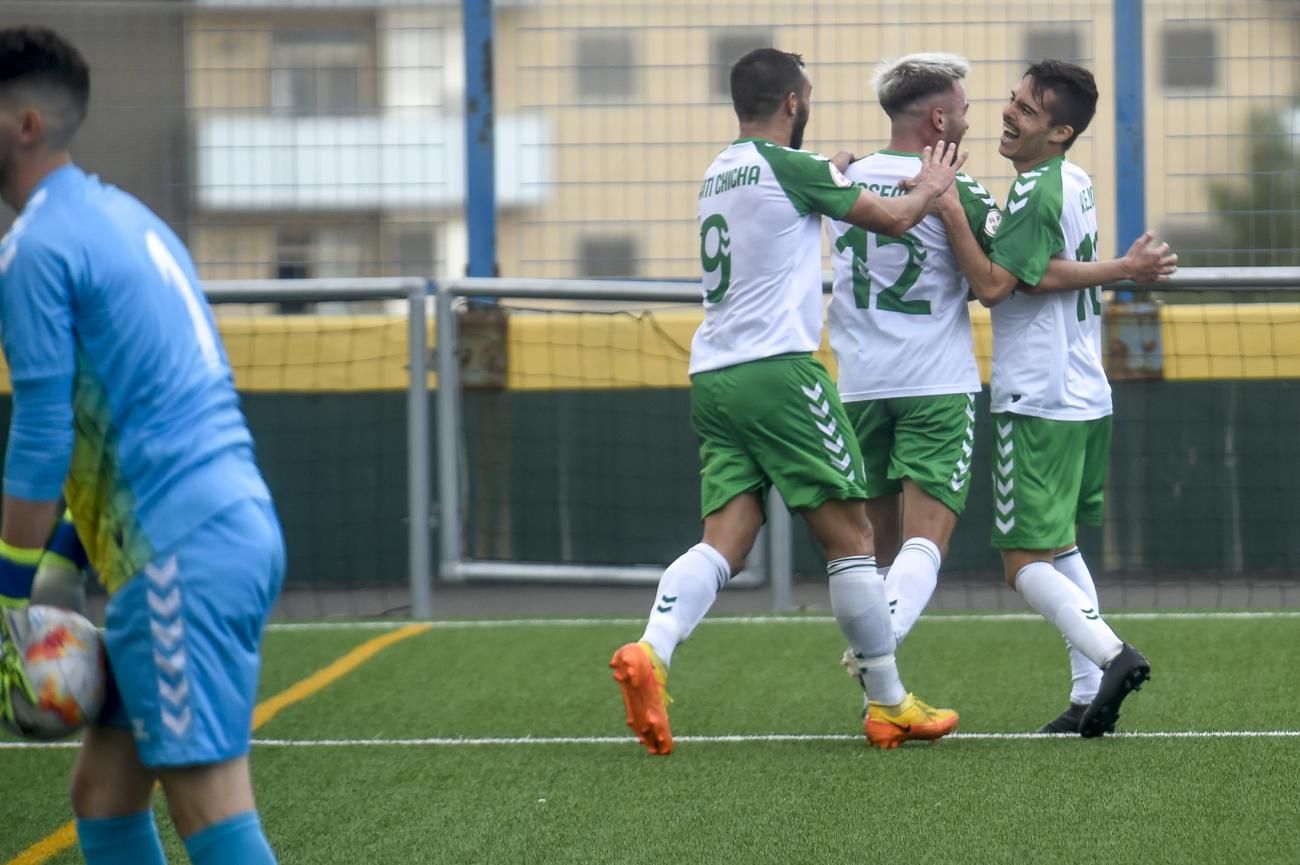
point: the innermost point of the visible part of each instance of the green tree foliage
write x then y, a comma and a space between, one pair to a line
1258, 217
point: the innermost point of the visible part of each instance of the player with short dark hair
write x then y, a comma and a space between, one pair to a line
901, 332
763, 408
124, 404
1050, 400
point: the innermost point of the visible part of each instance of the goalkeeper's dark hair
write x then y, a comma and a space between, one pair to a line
39, 64
1074, 94
762, 79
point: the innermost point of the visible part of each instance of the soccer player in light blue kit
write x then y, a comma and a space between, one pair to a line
123, 402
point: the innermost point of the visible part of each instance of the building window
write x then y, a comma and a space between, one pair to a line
320, 72
608, 257
411, 250
1054, 43
728, 47
342, 251
293, 254
311, 252
606, 65
1191, 56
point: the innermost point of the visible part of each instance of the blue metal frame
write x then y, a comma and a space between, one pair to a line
1130, 125
480, 139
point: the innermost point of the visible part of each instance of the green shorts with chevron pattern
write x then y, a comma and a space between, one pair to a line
926, 439
773, 421
1048, 477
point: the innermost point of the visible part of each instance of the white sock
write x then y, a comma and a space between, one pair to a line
891, 588
862, 612
1065, 605
686, 591
915, 574
1085, 676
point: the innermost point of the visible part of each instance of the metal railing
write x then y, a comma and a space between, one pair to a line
772, 562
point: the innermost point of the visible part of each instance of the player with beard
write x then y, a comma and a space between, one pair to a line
764, 409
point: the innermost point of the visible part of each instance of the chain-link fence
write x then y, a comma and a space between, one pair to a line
290, 138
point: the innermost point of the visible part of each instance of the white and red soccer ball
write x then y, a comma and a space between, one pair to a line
63, 656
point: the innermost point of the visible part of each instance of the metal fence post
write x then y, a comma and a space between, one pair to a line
480, 141
1130, 127
417, 426
780, 559
449, 529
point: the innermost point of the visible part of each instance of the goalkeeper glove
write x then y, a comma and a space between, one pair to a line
60, 577
13, 676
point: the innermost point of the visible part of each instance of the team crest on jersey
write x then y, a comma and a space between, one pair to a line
838, 177
992, 221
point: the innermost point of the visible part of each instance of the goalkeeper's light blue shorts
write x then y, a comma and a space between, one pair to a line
184, 636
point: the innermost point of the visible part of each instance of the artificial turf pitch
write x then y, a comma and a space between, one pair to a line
335, 787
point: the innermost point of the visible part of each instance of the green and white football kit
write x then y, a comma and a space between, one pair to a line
900, 329
764, 409
1051, 407
1051, 402
766, 413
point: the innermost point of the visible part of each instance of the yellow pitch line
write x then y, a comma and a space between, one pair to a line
66, 835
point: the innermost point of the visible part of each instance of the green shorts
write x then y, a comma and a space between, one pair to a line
1048, 477
774, 421
926, 439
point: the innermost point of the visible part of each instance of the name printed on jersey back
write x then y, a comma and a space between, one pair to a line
884, 190
745, 175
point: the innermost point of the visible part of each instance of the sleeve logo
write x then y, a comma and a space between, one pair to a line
991, 222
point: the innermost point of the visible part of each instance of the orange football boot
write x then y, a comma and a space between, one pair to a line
643, 679
913, 719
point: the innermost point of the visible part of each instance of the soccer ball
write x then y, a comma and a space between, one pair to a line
63, 656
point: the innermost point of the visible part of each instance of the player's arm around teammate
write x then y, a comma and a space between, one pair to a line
900, 330
991, 283
1050, 399
764, 409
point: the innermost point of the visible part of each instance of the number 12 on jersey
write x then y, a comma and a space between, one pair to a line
892, 298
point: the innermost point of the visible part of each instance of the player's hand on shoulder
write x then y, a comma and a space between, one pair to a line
843, 160
949, 203
939, 167
1149, 262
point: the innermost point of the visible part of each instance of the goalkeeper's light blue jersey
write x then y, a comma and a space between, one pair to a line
123, 397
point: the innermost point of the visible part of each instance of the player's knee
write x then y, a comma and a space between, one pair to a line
734, 547
99, 795
847, 537
1011, 566
736, 561
201, 796
108, 779
81, 791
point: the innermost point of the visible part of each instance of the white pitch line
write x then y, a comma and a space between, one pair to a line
469, 741
457, 625
451, 742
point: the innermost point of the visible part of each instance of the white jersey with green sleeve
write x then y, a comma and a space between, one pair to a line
899, 316
1047, 348
760, 248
